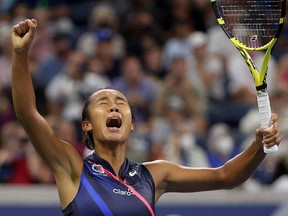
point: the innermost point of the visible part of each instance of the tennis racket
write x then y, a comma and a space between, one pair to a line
254, 25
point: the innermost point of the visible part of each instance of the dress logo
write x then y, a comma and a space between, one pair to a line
97, 169
132, 173
123, 192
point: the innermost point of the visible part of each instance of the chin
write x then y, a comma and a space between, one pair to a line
115, 138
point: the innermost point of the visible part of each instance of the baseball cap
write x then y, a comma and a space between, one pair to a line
197, 39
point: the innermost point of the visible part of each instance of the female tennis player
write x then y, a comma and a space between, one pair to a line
107, 183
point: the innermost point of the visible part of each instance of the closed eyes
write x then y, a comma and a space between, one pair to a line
118, 100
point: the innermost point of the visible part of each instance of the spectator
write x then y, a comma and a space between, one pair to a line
178, 89
282, 78
56, 60
6, 108
102, 19
67, 131
206, 72
141, 31
20, 164
5, 58
14, 165
95, 76
177, 45
37, 169
104, 52
153, 64
221, 144
266, 173
61, 18
174, 138
19, 11
64, 92
6, 6
241, 87
140, 90
43, 45
179, 11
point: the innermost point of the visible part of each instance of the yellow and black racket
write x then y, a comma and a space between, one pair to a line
253, 25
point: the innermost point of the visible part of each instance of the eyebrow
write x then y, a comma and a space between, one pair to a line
106, 98
121, 99
101, 99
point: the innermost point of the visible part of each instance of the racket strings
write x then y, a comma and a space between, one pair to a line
254, 22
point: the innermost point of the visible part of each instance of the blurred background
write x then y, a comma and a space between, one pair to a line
192, 94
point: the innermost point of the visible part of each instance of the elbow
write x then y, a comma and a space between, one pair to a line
232, 186
25, 115
228, 180
21, 116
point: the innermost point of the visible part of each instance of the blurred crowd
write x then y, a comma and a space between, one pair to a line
192, 93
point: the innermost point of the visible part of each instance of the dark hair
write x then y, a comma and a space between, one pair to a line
87, 137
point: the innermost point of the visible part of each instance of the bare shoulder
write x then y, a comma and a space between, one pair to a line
162, 170
159, 171
159, 165
171, 177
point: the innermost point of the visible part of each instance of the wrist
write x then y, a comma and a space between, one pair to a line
258, 147
20, 51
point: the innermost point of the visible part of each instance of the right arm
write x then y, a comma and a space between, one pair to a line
63, 160
170, 177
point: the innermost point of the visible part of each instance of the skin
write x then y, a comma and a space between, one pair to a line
65, 162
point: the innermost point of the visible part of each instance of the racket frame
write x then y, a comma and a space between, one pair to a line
259, 77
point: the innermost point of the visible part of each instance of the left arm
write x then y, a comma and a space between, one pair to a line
170, 177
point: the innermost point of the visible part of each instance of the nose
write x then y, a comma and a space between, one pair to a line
114, 108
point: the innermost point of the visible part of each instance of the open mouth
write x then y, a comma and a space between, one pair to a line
114, 122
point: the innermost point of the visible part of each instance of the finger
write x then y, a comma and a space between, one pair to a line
277, 142
32, 24
261, 131
273, 132
23, 28
17, 29
34, 21
275, 139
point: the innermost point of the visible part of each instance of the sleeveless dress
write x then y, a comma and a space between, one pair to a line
102, 194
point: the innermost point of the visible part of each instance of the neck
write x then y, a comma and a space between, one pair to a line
115, 155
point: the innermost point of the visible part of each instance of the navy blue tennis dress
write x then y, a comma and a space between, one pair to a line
102, 194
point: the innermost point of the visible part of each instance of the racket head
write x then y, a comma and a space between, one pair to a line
251, 24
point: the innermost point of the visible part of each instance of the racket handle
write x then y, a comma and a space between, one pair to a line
265, 115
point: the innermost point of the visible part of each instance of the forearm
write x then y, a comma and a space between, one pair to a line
22, 87
237, 170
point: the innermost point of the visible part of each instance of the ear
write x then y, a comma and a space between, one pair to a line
132, 127
86, 126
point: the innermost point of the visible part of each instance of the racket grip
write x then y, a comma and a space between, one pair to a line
265, 115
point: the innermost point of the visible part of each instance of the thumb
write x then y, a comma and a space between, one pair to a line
273, 119
23, 34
